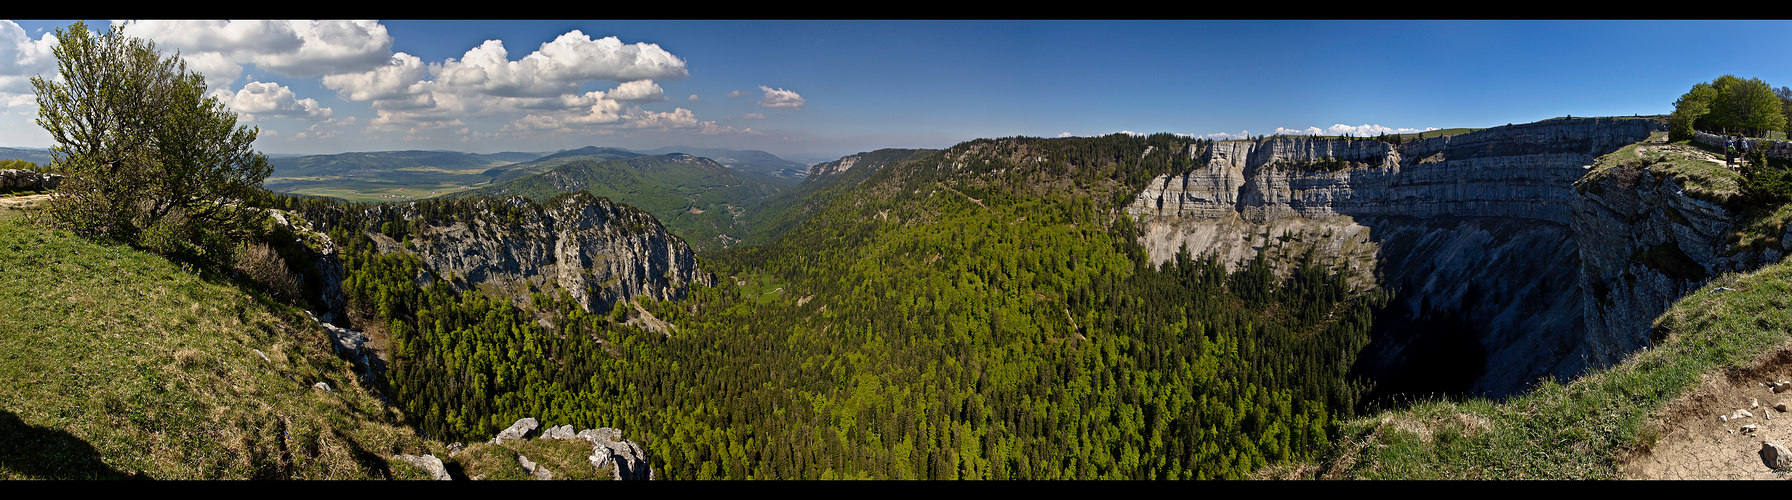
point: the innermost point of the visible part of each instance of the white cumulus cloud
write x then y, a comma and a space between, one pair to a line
258, 100
402, 75
638, 91
218, 49
780, 98
558, 67
1221, 136
22, 57
17, 101
678, 118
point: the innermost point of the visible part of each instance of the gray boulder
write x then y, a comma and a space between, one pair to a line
429, 463
535, 469
518, 430
608, 448
630, 462
1776, 456
561, 432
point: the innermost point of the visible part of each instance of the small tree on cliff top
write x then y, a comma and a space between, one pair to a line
144, 148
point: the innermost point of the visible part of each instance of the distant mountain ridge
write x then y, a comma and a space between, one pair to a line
379, 161
36, 155
416, 174
749, 160
697, 198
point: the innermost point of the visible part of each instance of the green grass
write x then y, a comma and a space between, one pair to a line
1701, 178
1580, 430
566, 458
1757, 228
761, 287
118, 363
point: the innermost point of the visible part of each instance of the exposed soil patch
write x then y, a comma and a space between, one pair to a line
1695, 443
17, 202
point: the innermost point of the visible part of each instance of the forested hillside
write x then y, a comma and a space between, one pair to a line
696, 198
982, 312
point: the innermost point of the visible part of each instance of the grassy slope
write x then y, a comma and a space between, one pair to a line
120, 363
1695, 170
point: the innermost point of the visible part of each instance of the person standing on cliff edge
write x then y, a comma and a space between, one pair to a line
1729, 152
1742, 150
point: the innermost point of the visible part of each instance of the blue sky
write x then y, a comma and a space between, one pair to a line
814, 90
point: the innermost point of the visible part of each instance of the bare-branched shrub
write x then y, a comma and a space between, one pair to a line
263, 265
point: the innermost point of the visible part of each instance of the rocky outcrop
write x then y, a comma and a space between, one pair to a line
598, 251
625, 459
29, 180
535, 470
352, 345
1519, 171
1485, 228
1644, 245
1776, 456
608, 448
429, 463
518, 430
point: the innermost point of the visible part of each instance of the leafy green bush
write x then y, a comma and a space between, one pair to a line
1764, 182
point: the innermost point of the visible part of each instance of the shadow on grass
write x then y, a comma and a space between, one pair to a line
45, 453
369, 461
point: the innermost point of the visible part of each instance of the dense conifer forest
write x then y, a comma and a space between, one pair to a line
982, 312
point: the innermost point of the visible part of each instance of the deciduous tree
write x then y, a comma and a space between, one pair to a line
1728, 104
149, 155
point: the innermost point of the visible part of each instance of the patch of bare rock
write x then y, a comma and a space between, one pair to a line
607, 449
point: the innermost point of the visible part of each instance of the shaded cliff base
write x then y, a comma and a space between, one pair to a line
1600, 425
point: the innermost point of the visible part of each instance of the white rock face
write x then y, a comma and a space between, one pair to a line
598, 251
1516, 171
1487, 225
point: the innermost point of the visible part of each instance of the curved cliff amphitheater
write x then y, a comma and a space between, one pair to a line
1497, 245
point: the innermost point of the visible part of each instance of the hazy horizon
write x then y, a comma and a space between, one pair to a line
817, 90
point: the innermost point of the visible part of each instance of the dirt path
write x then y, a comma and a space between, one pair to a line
1695, 443
17, 202
14, 206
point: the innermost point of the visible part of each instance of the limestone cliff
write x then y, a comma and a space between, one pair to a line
598, 251
1486, 231
1649, 234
